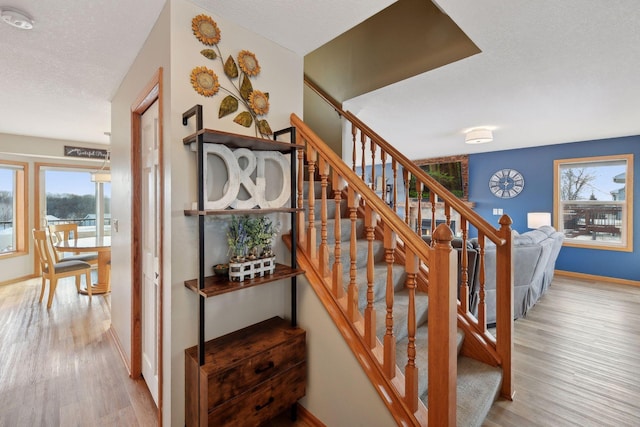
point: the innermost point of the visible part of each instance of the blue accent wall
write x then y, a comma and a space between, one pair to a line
536, 165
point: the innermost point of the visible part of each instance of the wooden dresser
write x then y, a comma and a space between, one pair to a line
248, 376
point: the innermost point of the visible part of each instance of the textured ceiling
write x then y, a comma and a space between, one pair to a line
549, 71
57, 79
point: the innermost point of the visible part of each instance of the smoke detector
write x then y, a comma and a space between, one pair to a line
16, 18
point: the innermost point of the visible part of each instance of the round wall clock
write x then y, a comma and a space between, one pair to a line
506, 183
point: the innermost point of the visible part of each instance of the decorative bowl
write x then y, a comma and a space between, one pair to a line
221, 269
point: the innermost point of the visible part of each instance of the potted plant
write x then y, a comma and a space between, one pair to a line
238, 238
267, 232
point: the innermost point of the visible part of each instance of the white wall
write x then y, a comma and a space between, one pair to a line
339, 392
33, 150
173, 46
281, 76
153, 55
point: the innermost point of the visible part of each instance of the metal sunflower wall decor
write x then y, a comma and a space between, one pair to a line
205, 81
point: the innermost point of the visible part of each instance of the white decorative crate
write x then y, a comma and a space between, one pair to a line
240, 271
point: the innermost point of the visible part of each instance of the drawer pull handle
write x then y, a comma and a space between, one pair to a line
265, 367
269, 402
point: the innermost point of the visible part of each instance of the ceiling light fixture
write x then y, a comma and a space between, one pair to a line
16, 18
478, 136
103, 174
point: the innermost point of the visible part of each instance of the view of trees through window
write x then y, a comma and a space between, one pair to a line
7, 211
71, 197
591, 195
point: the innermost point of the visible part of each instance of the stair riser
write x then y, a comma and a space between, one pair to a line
361, 254
331, 209
345, 230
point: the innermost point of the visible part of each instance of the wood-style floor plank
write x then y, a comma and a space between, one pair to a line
60, 367
576, 359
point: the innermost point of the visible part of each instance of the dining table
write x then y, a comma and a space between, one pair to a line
99, 244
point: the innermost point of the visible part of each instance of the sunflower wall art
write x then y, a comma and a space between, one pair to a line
238, 71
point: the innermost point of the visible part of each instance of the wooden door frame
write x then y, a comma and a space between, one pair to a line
151, 93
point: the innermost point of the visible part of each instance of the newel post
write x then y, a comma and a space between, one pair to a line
443, 368
504, 305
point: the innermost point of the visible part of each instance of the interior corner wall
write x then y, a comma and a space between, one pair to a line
280, 76
536, 165
153, 55
32, 150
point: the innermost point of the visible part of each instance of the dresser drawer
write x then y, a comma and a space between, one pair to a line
246, 360
262, 402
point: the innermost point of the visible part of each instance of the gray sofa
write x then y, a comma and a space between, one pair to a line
534, 258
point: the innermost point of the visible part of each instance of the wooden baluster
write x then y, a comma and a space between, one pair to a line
432, 200
442, 319
418, 229
411, 370
373, 166
389, 363
300, 214
324, 248
338, 289
354, 132
363, 141
464, 268
394, 166
447, 214
369, 312
482, 308
352, 295
383, 157
311, 228
405, 176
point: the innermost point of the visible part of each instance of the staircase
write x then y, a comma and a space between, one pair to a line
478, 384
392, 296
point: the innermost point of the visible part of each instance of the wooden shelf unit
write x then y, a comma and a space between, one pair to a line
274, 391
218, 285
206, 212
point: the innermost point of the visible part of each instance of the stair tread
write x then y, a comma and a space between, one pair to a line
400, 313
422, 351
477, 388
379, 282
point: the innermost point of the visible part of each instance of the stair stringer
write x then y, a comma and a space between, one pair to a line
370, 359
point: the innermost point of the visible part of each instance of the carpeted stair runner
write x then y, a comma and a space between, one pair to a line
478, 384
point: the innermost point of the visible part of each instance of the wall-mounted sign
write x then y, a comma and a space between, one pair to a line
86, 153
245, 170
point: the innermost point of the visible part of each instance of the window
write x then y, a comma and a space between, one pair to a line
13, 212
593, 203
68, 195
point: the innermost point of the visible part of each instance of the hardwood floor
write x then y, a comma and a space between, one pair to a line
576, 359
59, 367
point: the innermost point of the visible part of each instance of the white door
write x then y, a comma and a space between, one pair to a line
150, 248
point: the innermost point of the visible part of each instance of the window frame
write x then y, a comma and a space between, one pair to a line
21, 207
626, 232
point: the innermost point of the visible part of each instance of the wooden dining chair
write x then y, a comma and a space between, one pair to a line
63, 232
53, 270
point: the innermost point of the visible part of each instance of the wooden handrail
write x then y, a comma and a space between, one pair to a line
472, 217
324, 95
422, 262
411, 239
